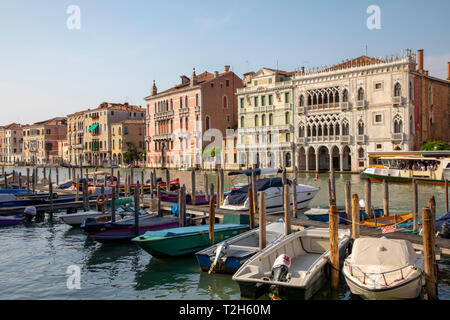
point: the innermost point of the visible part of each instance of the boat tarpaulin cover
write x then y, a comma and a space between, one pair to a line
238, 196
391, 253
258, 172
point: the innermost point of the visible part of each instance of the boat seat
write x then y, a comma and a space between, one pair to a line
244, 248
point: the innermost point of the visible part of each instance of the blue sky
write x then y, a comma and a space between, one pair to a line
48, 70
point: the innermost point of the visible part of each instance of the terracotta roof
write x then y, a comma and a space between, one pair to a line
286, 73
202, 78
13, 126
357, 61
50, 122
119, 106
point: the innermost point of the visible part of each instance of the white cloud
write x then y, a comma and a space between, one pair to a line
436, 65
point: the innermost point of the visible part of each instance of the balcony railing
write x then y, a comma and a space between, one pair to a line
197, 108
398, 137
345, 139
361, 104
360, 139
302, 140
301, 110
397, 101
183, 111
345, 106
165, 136
163, 115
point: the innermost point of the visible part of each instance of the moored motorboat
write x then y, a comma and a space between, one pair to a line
387, 220
323, 214
384, 269
237, 200
185, 240
124, 229
229, 255
292, 268
76, 219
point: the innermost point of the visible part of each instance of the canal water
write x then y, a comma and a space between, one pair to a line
35, 259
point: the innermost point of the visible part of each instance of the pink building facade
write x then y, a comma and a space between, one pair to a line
193, 116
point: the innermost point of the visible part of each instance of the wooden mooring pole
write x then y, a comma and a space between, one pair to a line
50, 193
85, 196
158, 195
447, 210
113, 205
287, 210
193, 194
368, 199
415, 208
429, 254
355, 216
205, 184
251, 208
211, 217
294, 197
77, 186
385, 198
348, 200
262, 220
136, 210
334, 247
28, 180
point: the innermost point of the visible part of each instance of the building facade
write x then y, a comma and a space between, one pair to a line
128, 138
90, 132
190, 117
40, 140
340, 113
266, 118
13, 137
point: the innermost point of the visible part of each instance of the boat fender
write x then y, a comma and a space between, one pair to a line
104, 201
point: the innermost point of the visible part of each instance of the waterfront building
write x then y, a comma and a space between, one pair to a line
190, 117
127, 139
90, 135
266, 118
13, 141
366, 105
40, 140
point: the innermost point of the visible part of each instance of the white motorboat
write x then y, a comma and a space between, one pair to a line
384, 269
228, 256
237, 200
76, 219
295, 267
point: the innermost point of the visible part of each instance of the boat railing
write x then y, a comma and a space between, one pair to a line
369, 275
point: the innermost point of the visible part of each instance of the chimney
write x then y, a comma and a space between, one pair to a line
420, 60
448, 71
193, 78
216, 74
154, 89
226, 68
184, 79
303, 70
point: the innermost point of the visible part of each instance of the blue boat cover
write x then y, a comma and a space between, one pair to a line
258, 172
66, 185
239, 196
441, 220
174, 232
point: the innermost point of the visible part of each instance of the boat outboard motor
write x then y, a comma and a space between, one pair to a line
280, 273
445, 230
219, 253
30, 213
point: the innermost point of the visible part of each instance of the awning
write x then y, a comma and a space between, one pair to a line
93, 127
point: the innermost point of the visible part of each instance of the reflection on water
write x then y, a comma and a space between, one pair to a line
37, 256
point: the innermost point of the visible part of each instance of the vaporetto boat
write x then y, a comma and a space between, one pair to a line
426, 167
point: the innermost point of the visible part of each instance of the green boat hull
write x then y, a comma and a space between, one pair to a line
162, 247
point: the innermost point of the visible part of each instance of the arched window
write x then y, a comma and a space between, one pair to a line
242, 121
360, 94
196, 99
345, 95
411, 96
411, 125
286, 117
319, 133
302, 101
207, 123
361, 153
360, 127
309, 100
270, 119
263, 120
186, 103
225, 102
325, 130
336, 96
301, 131
337, 129
398, 125
320, 99
314, 131
314, 102
308, 131
256, 120
181, 102
171, 104
288, 159
397, 90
